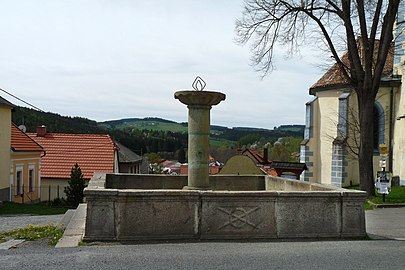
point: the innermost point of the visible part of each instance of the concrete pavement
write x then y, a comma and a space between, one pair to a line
386, 223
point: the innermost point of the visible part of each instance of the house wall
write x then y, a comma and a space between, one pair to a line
25, 162
5, 144
52, 188
134, 167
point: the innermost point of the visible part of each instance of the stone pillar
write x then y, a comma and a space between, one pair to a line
199, 104
198, 146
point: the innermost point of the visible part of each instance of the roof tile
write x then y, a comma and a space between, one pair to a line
92, 152
21, 142
334, 78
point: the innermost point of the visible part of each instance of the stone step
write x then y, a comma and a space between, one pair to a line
75, 228
67, 217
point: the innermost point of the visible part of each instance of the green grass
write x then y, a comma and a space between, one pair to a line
223, 143
153, 125
32, 232
10, 208
396, 195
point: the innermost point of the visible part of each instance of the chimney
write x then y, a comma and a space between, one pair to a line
239, 150
41, 131
265, 154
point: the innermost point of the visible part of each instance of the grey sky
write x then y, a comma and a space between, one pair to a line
111, 59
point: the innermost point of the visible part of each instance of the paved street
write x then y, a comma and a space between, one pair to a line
379, 254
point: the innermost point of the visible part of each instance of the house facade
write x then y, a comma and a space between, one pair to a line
331, 139
20, 161
5, 144
284, 169
130, 162
25, 177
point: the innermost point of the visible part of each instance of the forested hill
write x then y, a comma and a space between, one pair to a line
55, 123
145, 135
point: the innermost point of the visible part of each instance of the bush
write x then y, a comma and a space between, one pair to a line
74, 192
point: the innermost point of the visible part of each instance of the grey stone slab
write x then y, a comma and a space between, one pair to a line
238, 217
353, 217
69, 241
298, 217
67, 217
10, 243
164, 217
74, 231
100, 220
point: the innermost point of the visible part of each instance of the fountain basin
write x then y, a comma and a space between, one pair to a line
124, 207
199, 98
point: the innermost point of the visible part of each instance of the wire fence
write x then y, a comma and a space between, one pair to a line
27, 194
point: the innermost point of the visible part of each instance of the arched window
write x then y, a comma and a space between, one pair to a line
379, 125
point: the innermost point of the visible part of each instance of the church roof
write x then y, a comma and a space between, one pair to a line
333, 78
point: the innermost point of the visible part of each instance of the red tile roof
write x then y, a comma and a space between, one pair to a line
21, 142
93, 153
334, 78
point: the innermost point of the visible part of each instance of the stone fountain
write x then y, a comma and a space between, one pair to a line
130, 207
199, 104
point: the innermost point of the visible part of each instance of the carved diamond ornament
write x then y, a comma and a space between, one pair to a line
238, 217
198, 84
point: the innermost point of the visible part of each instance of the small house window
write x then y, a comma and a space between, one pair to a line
19, 181
31, 179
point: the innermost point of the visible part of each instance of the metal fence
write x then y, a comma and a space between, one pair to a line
25, 194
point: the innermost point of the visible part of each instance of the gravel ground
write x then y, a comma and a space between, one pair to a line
8, 223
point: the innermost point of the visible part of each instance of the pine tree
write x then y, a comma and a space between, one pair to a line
74, 192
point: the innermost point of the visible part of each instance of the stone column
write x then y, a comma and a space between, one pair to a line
199, 104
198, 146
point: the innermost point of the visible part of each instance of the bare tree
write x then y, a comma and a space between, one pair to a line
356, 22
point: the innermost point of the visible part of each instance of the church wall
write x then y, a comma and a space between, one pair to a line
399, 99
328, 118
399, 132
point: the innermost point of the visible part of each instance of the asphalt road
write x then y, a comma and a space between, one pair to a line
371, 254
366, 254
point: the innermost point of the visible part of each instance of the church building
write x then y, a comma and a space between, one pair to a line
331, 138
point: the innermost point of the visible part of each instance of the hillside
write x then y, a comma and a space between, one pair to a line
149, 123
166, 137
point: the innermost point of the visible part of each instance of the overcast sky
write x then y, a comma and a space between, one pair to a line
112, 59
